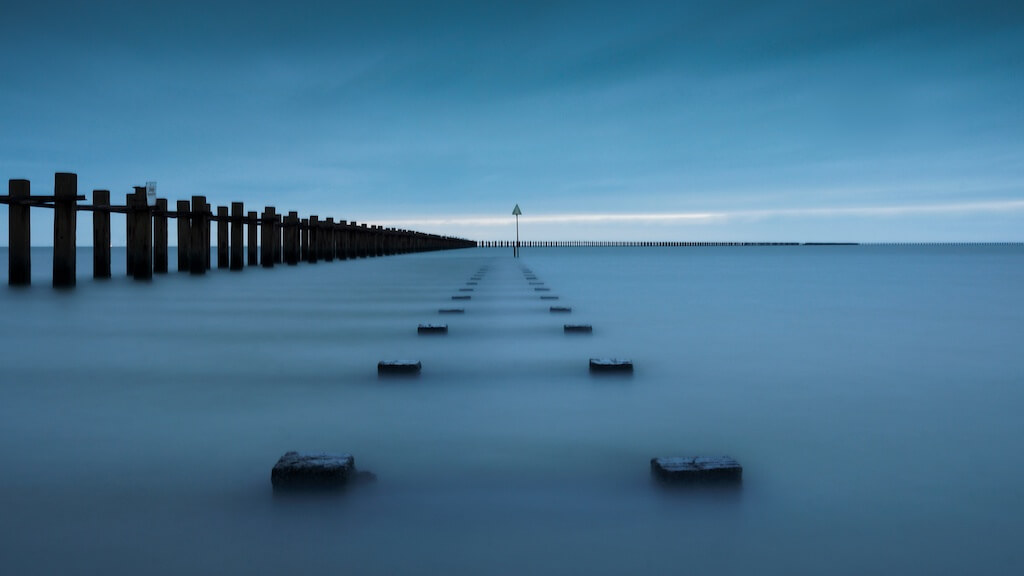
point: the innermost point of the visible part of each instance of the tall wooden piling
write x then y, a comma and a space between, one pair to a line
65, 215
101, 234
237, 249
267, 237
278, 244
329, 243
291, 239
184, 235
314, 240
304, 239
140, 242
252, 224
223, 249
160, 236
197, 241
19, 235
207, 218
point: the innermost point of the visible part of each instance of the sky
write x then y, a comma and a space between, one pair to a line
691, 121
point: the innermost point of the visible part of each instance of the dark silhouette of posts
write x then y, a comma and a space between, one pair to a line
197, 241
267, 237
223, 250
19, 234
251, 225
140, 237
160, 236
65, 220
184, 235
101, 234
237, 250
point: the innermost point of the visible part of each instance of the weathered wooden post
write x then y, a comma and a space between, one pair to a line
223, 250
184, 235
267, 237
197, 241
207, 217
101, 234
65, 215
19, 234
140, 243
314, 240
253, 223
304, 239
160, 236
237, 249
129, 228
329, 243
278, 243
291, 239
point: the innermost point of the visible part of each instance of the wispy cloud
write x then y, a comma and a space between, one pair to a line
887, 211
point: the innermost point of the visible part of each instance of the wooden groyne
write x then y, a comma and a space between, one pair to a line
286, 239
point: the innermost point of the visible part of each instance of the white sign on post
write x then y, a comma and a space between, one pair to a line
150, 193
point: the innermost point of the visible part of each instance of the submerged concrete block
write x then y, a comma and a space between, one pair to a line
400, 367
610, 365
451, 311
298, 471
578, 328
543, 289
471, 283
432, 329
536, 283
549, 297
697, 469
464, 297
561, 309
465, 289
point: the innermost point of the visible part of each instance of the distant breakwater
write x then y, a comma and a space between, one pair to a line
272, 237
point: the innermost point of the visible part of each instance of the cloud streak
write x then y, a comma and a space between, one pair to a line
956, 209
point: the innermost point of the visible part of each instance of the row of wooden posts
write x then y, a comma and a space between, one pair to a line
283, 238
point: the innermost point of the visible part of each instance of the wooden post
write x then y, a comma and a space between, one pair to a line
329, 243
196, 260
252, 224
314, 240
278, 229
223, 250
160, 237
304, 239
267, 237
19, 235
343, 241
129, 228
184, 235
291, 239
237, 250
100, 234
65, 214
140, 249
207, 213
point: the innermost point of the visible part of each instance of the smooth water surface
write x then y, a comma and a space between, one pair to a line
873, 395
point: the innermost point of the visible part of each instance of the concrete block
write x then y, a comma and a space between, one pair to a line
432, 329
578, 328
398, 367
561, 309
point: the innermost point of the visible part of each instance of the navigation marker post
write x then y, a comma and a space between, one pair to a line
516, 212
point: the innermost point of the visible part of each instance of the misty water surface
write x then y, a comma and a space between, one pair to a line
872, 394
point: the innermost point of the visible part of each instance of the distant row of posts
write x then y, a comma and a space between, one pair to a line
282, 238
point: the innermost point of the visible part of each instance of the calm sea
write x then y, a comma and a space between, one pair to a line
873, 394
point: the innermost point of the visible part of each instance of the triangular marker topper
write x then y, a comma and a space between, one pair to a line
516, 211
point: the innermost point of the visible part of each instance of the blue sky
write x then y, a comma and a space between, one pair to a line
728, 120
